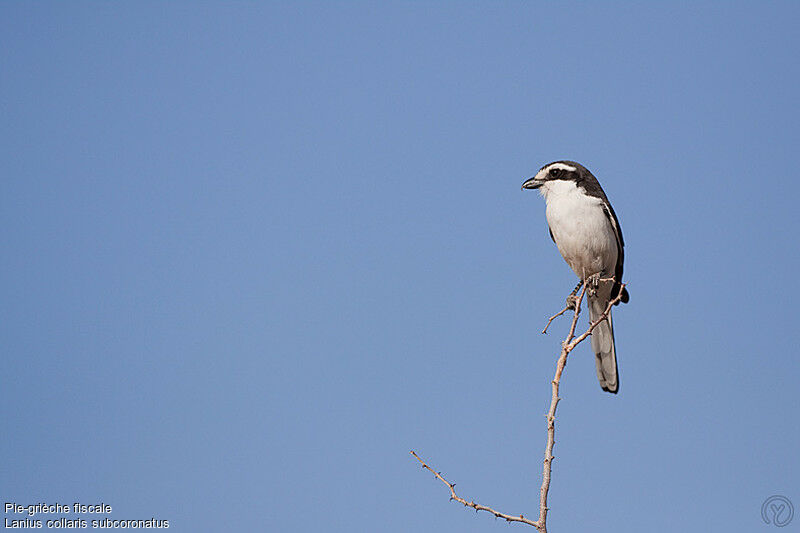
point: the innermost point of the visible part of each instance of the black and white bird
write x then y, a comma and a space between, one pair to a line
586, 231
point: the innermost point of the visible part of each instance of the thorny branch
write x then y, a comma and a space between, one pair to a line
550, 321
476, 506
569, 344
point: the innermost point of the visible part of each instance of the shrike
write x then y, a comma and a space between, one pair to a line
586, 231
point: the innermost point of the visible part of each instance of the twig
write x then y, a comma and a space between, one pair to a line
551, 415
566, 348
550, 321
597, 322
568, 307
476, 506
569, 344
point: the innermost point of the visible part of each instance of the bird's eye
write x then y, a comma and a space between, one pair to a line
556, 172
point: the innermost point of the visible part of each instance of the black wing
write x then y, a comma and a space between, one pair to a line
592, 188
612, 219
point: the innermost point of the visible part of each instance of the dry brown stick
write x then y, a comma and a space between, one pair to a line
551, 416
476, 506
569, 344
567, 308
596, 323
550, 321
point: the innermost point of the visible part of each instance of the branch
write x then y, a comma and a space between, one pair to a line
597, 322
476, 506
566, 308
573, 305
551, 414
566, 348
569, 344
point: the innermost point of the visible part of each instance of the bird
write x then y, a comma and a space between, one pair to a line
586, 231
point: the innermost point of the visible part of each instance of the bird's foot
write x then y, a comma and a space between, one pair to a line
572, 301
593, 283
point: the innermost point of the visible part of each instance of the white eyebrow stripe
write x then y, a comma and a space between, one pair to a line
562, 166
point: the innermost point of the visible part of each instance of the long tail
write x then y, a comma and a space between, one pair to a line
603, 345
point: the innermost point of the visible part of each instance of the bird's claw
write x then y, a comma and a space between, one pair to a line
593, 283
572, 301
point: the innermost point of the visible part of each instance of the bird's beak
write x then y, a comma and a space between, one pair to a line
532, 183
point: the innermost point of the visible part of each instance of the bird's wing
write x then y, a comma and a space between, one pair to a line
612, 219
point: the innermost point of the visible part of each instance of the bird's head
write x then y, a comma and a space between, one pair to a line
563, 171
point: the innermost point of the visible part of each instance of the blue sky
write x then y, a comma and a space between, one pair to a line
254, 253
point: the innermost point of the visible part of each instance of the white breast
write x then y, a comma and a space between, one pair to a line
581, 229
